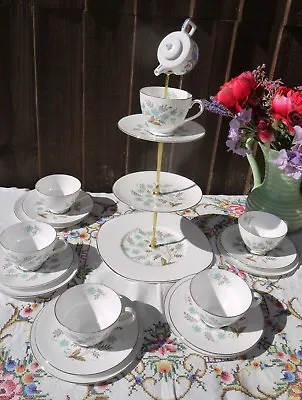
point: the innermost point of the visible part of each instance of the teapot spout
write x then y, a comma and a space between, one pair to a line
160, 70
253, 164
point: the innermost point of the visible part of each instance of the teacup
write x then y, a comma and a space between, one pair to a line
221, 297
88, 313
29, 244
166, 114
59, 192
261, 231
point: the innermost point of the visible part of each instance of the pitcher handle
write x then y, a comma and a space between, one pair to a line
253, 164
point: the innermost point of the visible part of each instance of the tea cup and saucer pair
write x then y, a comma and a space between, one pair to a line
33, 260
57, 200
87, 323
215, 313
258, 245
163, 119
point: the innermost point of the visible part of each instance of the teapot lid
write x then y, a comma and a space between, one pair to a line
175, 47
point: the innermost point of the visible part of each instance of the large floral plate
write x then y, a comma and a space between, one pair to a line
231, 341
135, 125
34, 208
282, 256
265, 272
176, 192
182, 248
86, 359
52, 270
46, 289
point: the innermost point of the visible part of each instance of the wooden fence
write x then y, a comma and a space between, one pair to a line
70, 69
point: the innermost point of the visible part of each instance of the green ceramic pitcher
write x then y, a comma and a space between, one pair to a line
278, 194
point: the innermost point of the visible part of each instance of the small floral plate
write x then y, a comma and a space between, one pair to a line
176, 192
67, 356
280, 258
230, 341
182, 248
46, 289
52, 270
135, 125
34, 208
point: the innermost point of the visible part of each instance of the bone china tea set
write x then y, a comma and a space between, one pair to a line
154, 244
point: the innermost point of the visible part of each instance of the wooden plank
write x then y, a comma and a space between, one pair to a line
18, 142
295, 14
69, 4
59, 89
221, 10
159, 8
258, 12
111, 8
108, 43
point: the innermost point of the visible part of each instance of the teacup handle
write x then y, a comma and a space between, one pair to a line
199, 102
127, 317
257, 299
62, 245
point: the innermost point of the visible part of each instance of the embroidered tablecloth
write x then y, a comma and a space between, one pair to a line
167, 369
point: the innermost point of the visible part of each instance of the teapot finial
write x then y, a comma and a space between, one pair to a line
178, 53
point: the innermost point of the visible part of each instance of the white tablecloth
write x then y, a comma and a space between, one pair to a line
168, 369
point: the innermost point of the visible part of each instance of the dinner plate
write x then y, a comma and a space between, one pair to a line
231, 341
135, 125
176, 192
87, 378
182, 248
35, 208
51, 271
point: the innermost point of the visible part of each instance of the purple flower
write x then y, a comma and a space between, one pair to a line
298, 136
245, 116
288, 376
282, 159
236, 140
299, 353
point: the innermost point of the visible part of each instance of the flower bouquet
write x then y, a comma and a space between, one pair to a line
265, 111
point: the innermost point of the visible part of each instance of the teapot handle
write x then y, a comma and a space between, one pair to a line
186, 24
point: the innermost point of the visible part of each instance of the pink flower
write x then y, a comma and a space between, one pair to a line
299, 376
282, 356
34, 366
226, 377
100, 388
238, 272
28, 310
10, 387
236, 209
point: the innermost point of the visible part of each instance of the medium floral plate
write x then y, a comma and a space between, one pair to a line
182, 248
83, 379
231, 341
135, 125
282, 256
47, 289
265, 272
176, 192
35, 208
52, 270
67, 356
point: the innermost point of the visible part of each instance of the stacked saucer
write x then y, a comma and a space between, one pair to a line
54, 274
228, 342
280, 261
65, 359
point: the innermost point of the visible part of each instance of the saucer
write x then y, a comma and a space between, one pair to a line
124, 245
47, 288
176, 192
224, 342
282, 256
254, 270
18, 210
52, 270
57, 354
135, 125
35, 208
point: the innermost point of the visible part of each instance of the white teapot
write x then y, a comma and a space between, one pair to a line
177, 52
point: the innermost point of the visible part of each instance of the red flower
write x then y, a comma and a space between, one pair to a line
10, 387
264, 130
226, 377
235, 94
287, 107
